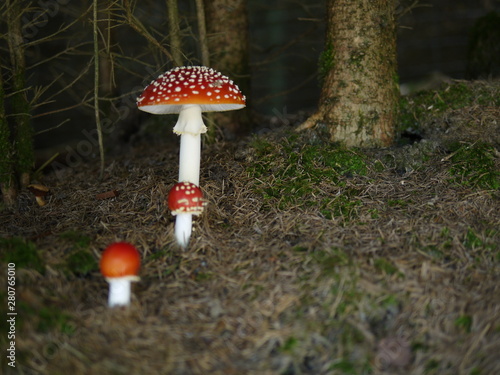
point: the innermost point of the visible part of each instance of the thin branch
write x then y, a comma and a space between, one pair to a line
96, 91
82, 103
415, 4
55, 56
50, 37
139, 27
67, 86
53, 127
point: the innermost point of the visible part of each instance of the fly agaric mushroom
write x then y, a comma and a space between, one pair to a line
185, 199
189, 91
120, 264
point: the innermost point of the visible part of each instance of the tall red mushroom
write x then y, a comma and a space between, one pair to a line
189, 91
185, 199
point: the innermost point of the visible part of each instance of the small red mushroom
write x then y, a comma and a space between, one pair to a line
185, 199
189, 91
120, 264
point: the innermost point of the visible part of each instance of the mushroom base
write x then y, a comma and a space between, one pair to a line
183, 228
119, 290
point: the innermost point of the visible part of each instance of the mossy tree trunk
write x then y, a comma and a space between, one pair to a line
227, 29
23, 135
7, 181
359, 97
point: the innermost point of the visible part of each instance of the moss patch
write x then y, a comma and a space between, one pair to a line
79, 259
476, 165
290, 173
22, 253
457, 112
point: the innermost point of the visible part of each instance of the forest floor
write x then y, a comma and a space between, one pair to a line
309, 259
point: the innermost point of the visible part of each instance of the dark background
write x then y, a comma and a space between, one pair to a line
286, 39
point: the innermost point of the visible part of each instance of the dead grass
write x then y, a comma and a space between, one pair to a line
404, 281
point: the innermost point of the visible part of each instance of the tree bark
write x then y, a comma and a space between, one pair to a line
23, 145
359, 97
227, 28
202, 33
8, 185
175, 32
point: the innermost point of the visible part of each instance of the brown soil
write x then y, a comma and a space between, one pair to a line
406, 281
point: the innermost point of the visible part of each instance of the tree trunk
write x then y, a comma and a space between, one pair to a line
359, 98
8, 186
175, 32
24, 154
227, 28
202, 33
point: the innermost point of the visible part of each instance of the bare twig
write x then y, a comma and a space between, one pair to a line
137, 25
96, 91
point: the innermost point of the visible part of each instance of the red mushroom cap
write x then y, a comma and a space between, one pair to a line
199, 85
187, 198
119, 260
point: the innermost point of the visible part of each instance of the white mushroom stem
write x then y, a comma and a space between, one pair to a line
119, 290
183, 228
189, 126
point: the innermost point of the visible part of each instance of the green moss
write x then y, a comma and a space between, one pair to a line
385, 266
474, 166
330, 260
374, 213
344, 366
47, 319
326, 62
414, 109
23, 254
389, 301
81, 262
430, 366
203, 276
289, 345
78, 240
464, 322
472, 241
292, 174
340, 206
